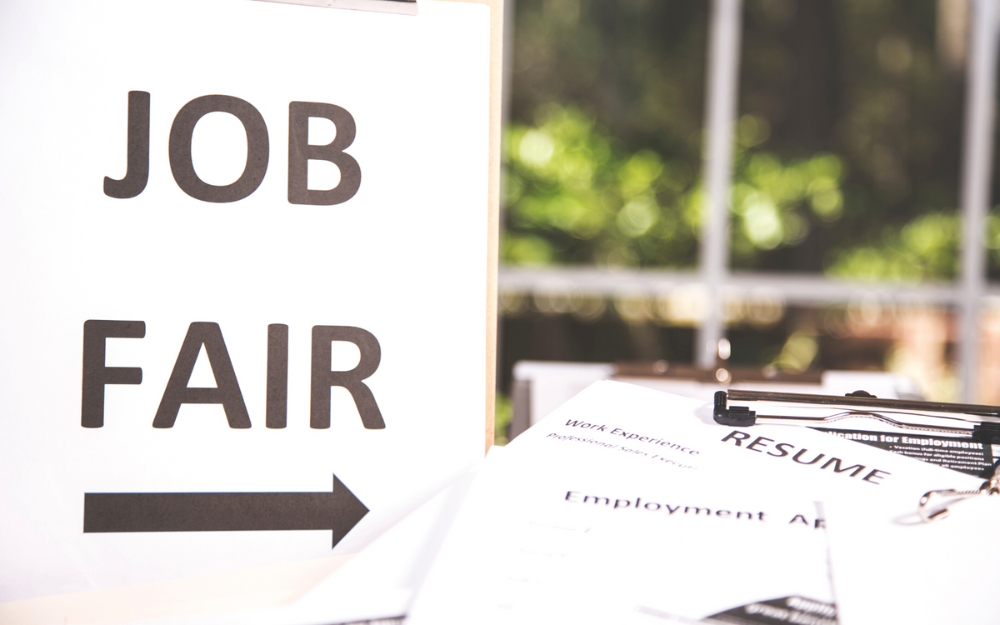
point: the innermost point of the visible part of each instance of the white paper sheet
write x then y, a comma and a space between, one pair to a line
620, 547
888, 567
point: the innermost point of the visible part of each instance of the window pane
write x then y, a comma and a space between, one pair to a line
849, 138
603, 149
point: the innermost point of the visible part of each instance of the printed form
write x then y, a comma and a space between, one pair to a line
621, 548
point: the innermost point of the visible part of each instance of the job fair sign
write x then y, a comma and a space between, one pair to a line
243, 268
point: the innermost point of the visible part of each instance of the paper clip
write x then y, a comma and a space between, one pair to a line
930, 508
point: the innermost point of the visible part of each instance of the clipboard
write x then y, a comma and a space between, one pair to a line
284, 581
961, 437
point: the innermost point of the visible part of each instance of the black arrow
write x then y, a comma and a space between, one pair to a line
339, 511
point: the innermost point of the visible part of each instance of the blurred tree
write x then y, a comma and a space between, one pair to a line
878, 84
576, 196
636, 66
605, 142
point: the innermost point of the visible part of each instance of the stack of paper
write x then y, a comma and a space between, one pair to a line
624, 506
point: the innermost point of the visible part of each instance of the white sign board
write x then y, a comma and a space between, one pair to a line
244, 277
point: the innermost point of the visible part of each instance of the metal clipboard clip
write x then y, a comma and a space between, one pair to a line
976, 422
934, 505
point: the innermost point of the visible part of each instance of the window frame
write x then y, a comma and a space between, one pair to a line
970, 294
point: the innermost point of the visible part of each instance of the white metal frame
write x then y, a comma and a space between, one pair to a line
714, 278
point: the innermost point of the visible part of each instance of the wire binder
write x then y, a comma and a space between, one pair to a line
975, 422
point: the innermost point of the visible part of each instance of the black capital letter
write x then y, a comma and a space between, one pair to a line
258, 148
226, 393
300, 152
277, 375
323, 379
137, 156
95, 374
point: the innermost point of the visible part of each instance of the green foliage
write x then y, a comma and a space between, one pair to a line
993, 235
576, 196
775, 204
847, 144
927, 247
637, 66
502, 414
878, 84
573, 195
